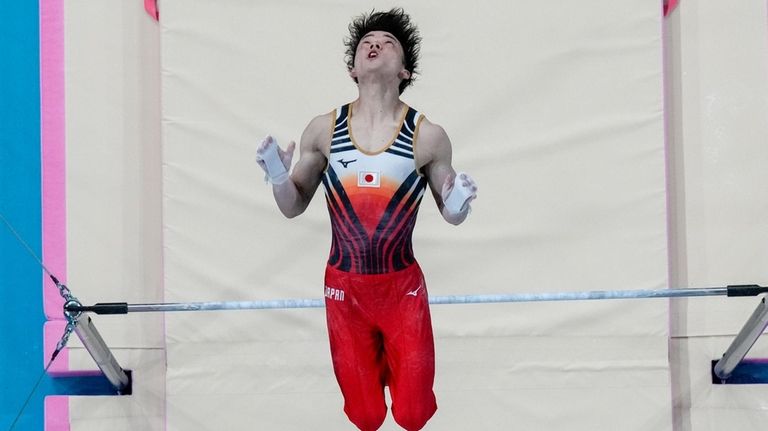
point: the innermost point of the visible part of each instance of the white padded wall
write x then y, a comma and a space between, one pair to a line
113, 203
556, 109
717, 63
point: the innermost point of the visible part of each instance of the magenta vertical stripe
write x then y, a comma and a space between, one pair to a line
53, 190
57, 408
53, 156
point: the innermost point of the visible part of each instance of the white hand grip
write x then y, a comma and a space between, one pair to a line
276, 172
457, 198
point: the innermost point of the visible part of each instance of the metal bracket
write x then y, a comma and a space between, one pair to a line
743, 342
117, 376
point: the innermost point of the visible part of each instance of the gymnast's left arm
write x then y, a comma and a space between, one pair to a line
453, 192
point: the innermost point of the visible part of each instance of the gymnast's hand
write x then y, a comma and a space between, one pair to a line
458, 191
273, 160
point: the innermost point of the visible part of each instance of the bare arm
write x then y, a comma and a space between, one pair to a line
293, 196
435, 153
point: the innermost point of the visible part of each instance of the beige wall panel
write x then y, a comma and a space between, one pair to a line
717, 58
701, 405
718, 130
143, 410
113, 164
113, 194
556, 111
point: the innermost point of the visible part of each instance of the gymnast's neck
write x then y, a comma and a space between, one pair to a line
377, 101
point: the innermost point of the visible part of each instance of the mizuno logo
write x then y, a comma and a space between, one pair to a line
415, 292
346, 163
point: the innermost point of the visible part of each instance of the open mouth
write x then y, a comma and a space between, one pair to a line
373, 54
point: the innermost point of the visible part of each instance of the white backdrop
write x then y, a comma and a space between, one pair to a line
556, 110
718, 201
113, 205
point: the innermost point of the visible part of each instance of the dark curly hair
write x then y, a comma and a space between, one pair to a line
396, 22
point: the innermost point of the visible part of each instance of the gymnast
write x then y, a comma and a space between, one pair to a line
375, 157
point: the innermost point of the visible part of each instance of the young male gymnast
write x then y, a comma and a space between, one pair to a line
375, 157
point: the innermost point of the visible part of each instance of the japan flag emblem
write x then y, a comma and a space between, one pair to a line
368, 179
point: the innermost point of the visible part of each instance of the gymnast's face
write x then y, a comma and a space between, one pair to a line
379, 51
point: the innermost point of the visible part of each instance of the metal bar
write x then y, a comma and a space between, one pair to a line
124, 307
226, 305
455, 299
580, 296
747, 337
86, 331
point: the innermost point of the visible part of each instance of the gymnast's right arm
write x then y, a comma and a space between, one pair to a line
294, 192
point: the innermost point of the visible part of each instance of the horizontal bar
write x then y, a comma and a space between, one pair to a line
228, 305
580, 296
744, 341
123, 308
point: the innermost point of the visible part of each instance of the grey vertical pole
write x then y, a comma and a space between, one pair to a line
743, 342
86, 331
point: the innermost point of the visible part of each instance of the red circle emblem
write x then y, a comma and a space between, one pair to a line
368, 178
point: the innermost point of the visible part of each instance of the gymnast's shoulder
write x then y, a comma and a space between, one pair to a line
318, 132
431, 138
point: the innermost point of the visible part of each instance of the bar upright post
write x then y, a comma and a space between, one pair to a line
743, 342
86, 331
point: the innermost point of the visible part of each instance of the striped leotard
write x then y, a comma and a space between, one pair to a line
373, 198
